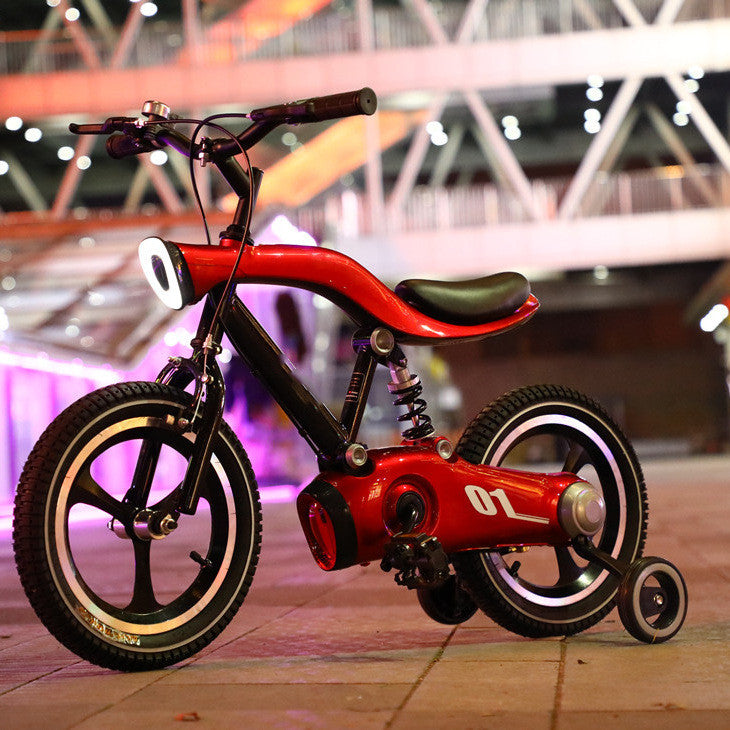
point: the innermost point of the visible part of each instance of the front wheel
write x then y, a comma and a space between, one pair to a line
551, 591
125, 581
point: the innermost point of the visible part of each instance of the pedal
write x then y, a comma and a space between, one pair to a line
419, 560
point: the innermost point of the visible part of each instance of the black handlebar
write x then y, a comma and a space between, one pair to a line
139, 138
122, 145
320, 108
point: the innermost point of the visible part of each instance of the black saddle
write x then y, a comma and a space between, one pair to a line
469, 302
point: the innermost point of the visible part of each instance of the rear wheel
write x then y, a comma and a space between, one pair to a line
124, 583
551, 591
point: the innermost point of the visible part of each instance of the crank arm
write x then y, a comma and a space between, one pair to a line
588, 551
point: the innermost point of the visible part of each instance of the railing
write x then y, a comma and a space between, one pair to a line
438, 208
332, 31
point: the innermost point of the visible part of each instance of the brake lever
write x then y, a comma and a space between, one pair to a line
112, 124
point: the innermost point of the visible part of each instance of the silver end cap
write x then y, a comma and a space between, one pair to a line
581, 510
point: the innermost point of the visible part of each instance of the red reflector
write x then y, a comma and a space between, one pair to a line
323, 540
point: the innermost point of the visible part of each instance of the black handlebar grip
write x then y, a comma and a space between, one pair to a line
121, 145
337, 106
320, 108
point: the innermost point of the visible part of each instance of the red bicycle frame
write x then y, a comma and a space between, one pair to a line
198, 268
362, 500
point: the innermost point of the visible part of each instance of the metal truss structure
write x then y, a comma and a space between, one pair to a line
648, 183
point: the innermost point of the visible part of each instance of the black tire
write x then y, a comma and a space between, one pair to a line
448, 603
131, 603
652, 600
549, 591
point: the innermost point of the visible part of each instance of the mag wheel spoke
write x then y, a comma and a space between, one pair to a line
143, 597
576, 459
86, 490
568, 569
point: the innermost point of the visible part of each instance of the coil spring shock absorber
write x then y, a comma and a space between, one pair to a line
406, 388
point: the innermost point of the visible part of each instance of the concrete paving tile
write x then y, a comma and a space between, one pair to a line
29, 660
70, 694
270, 719
42, 715
328, 630
12, 635
488, 687
450, 718
353, 668
498, 645
690, 672
258, 706
669, 718
293, 639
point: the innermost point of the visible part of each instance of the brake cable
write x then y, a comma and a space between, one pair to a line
225, 299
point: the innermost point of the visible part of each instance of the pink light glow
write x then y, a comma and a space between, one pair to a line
281, 494
103, 375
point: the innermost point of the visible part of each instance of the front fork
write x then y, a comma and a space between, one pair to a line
204, 418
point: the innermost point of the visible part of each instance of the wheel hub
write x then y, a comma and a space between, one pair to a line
147, 525
581, 509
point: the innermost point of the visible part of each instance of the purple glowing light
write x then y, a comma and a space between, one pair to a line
103, 375
280, 494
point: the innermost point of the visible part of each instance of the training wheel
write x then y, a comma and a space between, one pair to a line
652, 600
448, 603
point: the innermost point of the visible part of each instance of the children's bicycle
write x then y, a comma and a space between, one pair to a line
537, 517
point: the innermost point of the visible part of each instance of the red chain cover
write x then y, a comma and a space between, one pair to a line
467, 506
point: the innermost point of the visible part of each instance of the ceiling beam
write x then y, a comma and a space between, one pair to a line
674, 142
447, 155
646, 51
599, 147
24, 183
548, 246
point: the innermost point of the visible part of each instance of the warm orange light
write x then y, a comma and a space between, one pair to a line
312, 168
251, 25
671, 171
264, 19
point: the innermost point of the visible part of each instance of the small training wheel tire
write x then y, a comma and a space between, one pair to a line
448, 603
652, 600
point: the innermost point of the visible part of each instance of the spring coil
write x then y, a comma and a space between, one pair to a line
408, 397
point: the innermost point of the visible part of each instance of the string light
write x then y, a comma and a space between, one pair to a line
592, 123
158, 157
438, 135
13, 124
33, 134
511, 126
65, 153
714, 318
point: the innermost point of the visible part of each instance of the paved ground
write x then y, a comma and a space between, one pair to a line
353, 650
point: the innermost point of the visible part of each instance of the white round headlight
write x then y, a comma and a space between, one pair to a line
166, 271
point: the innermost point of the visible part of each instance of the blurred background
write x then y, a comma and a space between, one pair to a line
583, 143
